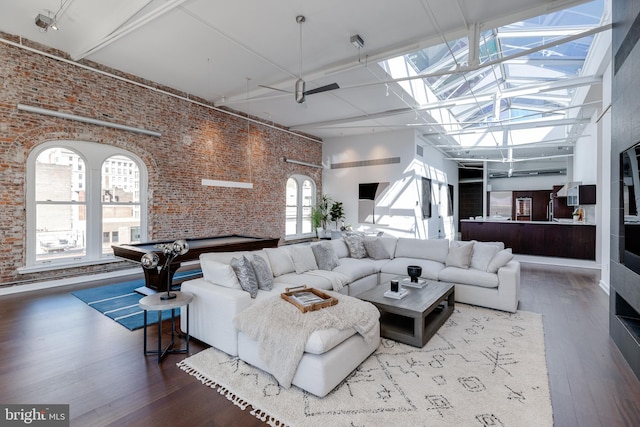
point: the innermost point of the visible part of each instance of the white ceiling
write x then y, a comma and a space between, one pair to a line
223, 51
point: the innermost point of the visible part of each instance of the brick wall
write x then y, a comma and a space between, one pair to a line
196, 143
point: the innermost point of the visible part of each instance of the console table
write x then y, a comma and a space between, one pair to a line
155, 303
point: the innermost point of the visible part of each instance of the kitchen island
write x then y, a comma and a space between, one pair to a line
562, 239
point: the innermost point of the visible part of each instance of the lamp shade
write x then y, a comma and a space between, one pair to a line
180, 247
150, 260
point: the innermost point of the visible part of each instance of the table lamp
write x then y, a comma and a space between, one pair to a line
171, 251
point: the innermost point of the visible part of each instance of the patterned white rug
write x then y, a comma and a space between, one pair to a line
482, 368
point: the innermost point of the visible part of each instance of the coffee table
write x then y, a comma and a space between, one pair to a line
415, 318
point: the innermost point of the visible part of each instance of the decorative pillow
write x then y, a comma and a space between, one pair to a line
326, 257
355, 243
483, 253
219, 273
375, 249
263, 272
303, 258
246, 275
501, 259
459, 255
280, 261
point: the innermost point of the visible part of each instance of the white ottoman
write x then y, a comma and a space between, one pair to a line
330, 356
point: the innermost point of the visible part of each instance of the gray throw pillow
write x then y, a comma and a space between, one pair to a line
326, 257
246, 275
375, 249
355, 243
263, 272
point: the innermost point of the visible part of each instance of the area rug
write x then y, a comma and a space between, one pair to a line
119, 301
482, 368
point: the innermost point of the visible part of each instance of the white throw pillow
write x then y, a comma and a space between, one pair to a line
501, 259
483, 253
219, 273
280, 261
375, 249
303, 258
459, 255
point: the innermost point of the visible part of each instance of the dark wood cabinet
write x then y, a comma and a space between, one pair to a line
531, 238
587, 194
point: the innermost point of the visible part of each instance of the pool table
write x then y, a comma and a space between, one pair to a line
156, 278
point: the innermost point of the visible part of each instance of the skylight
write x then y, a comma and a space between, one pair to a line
498, 89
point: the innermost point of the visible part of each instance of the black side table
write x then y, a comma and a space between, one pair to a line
154, 303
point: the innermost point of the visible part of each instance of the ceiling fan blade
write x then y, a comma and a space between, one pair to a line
275, 88
325, 88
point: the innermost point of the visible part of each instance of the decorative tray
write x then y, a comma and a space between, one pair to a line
308, 299
409, 284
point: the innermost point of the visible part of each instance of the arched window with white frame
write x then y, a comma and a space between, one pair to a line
300, 199
82, 197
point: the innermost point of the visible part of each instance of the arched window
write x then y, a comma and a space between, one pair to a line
82, 197
300, 196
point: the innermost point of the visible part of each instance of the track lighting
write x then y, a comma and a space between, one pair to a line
45, 22
357, 41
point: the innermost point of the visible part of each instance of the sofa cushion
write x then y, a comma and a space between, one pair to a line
355, 243
432, 249
326, 257
501, 259
263, 272
312, 281
321, 341
483, 253
469, 277
280, 261
459, 255
219, 273
375, 249
340, 246
246, 275
303, 258
355, 269
398, 266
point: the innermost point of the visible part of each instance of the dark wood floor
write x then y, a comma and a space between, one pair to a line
55, 349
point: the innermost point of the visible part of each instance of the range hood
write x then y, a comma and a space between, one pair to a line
564, 190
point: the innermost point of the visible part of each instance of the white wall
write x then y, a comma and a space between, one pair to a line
399, 212
585, 165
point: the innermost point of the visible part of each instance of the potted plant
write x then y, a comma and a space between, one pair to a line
316, 221
337, 212
323, 208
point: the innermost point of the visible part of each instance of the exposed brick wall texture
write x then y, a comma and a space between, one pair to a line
196, 143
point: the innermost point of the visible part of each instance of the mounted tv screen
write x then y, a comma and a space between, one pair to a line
630, 201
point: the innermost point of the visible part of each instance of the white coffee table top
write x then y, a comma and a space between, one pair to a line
154, 302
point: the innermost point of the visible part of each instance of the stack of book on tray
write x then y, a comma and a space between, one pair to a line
306, 298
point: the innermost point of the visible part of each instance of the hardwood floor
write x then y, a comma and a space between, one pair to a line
56, 349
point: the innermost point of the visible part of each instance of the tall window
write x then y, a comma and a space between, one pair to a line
78, 205
300, 196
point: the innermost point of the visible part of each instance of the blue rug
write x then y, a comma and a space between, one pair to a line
120, 301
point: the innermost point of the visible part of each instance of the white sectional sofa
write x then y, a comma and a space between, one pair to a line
484, 274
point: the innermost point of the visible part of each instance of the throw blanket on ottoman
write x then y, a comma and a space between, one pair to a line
282, 330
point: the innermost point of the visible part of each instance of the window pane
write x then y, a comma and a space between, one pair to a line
61, 231
58, 177
120, 203
291, 212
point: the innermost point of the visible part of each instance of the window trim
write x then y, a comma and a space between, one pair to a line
94, 155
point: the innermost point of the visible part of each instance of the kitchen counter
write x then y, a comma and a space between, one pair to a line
560, 221
561, 239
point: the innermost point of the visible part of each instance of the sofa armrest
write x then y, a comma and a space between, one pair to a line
211, 313
509, 283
